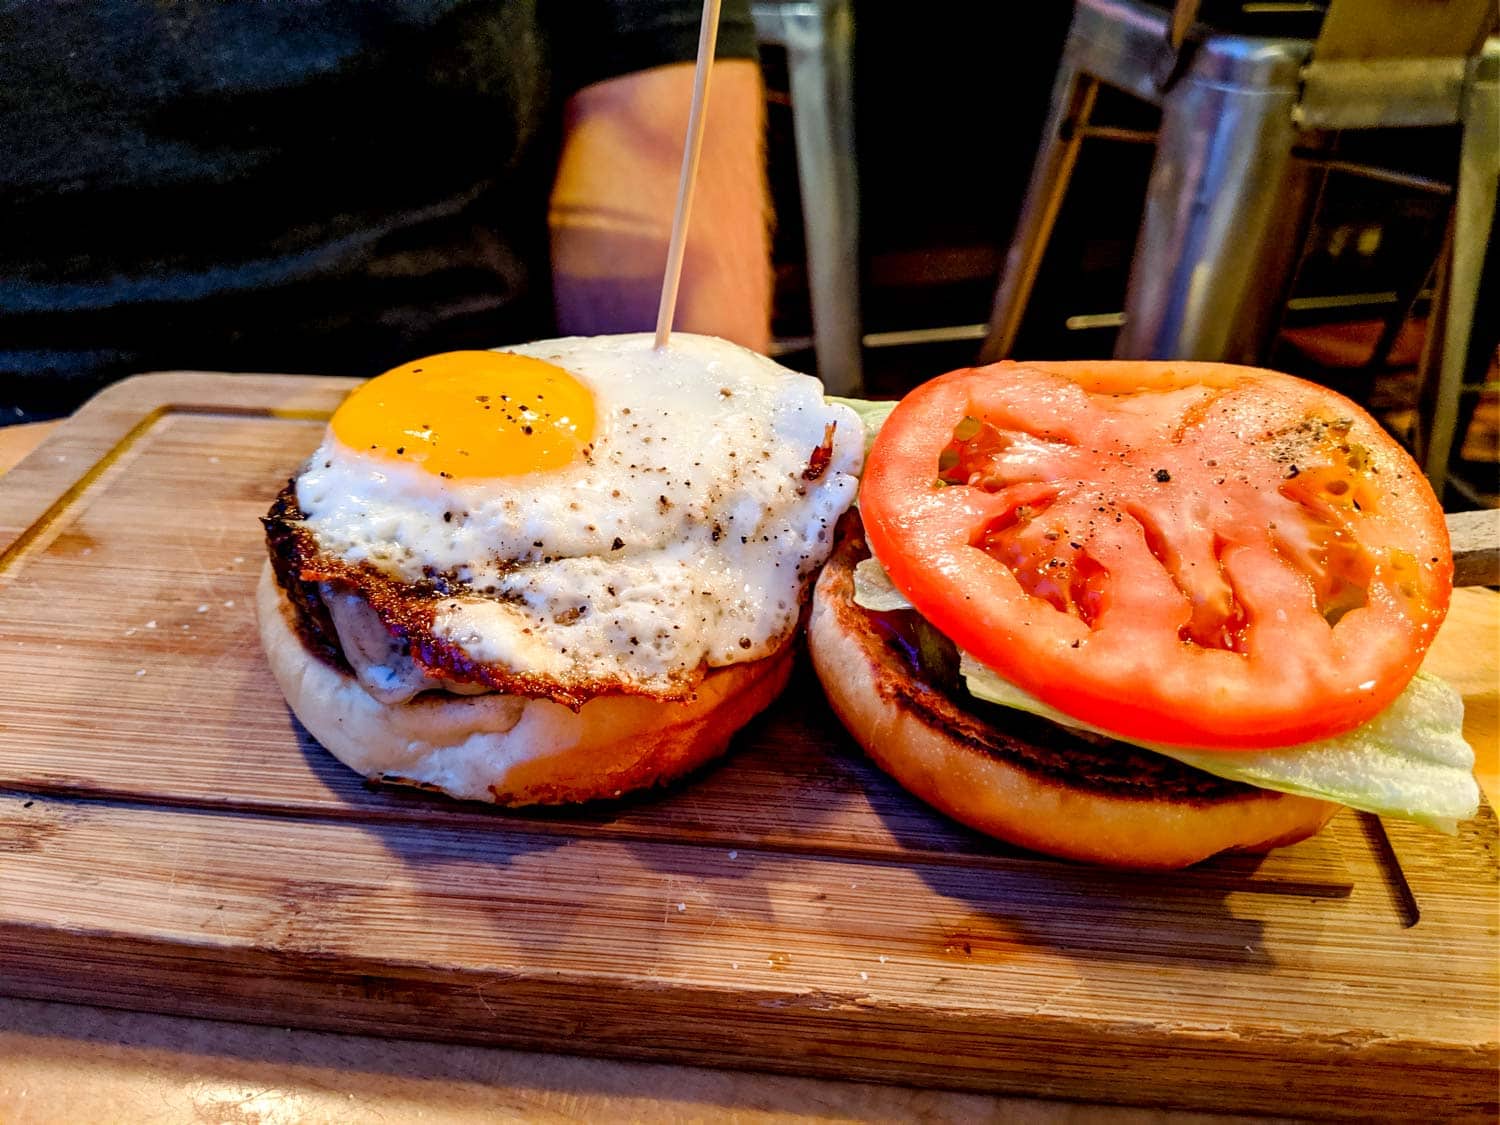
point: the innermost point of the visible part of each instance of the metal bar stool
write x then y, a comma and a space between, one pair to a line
1230, 193
1445, 358
818, 37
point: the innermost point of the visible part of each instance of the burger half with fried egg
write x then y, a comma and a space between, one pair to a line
557, 572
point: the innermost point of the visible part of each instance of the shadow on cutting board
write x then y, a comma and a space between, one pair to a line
795, 823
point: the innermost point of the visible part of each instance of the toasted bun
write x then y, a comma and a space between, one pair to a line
1022, 791
506, 749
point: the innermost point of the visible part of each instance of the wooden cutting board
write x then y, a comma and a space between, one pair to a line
171, 840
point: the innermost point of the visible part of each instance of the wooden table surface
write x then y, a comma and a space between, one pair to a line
63, 1062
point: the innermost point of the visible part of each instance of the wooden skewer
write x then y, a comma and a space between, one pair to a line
692, 147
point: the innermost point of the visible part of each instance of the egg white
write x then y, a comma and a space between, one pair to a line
682, 540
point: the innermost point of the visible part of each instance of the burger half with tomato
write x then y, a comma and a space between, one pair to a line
1139, 613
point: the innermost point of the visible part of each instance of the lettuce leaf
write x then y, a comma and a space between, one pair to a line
874, 590
1410, 761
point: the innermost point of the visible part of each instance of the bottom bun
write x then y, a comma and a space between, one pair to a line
1022, 791
507, 749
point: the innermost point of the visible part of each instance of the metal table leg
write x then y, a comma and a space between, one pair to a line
1473, 219
1225, 208
818, 37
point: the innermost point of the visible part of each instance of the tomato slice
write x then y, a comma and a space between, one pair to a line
1189, 553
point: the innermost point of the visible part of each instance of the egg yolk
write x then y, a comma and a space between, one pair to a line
471, 414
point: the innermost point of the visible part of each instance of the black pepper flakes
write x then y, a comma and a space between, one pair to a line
617, 544
1163, 476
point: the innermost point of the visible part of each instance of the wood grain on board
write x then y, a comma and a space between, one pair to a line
172, 841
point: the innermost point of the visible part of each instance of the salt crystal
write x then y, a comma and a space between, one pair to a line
734, 855
239, 559
140, 671
681, 907
229, 605
203, 609
883, 958
864, 976
130, 632
151, 624
213, 460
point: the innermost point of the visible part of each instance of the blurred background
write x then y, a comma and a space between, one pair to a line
950, 109
902, 142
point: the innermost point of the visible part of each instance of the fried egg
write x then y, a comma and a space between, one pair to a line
592, 510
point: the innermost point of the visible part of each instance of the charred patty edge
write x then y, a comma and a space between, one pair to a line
408, 610
1020, 741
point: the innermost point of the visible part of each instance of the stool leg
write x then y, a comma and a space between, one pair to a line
1073, 94
1473, 218
1224, 218
819, 39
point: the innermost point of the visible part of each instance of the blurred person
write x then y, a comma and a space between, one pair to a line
338, 187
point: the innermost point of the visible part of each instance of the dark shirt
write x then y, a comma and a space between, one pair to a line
294, 186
